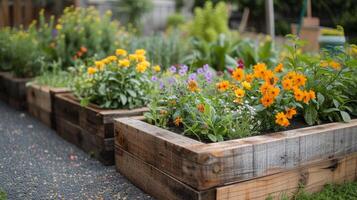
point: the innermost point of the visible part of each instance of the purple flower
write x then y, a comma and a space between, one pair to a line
161, 85
208, 76
172, 69
192, 76
200, 70
154, 78
206, 67
172, 80
182, 72
184, 68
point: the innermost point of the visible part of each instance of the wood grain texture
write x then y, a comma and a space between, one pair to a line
203, 166
312, 177
155, 182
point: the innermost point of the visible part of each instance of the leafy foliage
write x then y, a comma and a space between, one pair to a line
53, 76
210, 21
115, 82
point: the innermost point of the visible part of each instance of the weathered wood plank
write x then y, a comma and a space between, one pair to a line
43, 115
155, 182
39, 96
203, 166
313, 177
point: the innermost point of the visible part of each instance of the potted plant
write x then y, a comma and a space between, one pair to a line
116, 86
226, 137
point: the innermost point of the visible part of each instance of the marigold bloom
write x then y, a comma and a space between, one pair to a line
238, 74
157, 68
306, 97
124, 63
223, 86
201, 107
239, 93
259, 70
299, 80
140, 52
335, 65
281, 119
312, 94
299, 95
267, 101
145, 63
246, 85
249, 78
290, 113
178, 121
279, 68
121, 52
133, 57
141, 68
91, 70
140, 58
265, 87
83, 49
99, 65
273, 91
193, 86
290, 75
287, 84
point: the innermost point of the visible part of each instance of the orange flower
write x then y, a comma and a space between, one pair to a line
281, 119
279, 68
193, 86
290, 113
239, 93
238, 74
266, 101
335, 65
299, 80
201, 107
306, 97
299, 95
259, 70
290, 75
273, 92
178, 121
265, 87
287, 84
249, 78
83, 49
223, 86
312, 94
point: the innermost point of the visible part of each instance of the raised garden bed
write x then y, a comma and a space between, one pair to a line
173, 166
13, 90
90, 128
40, 100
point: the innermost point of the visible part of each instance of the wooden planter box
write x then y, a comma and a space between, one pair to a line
13, 90
171, 166
40, 102
90, 128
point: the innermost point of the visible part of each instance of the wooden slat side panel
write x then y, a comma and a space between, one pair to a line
155, 182
313, 177
42, 115
39, 96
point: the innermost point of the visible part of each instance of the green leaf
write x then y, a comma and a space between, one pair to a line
320, 98
310, 115
101, 89
131, 93
212, 137
84, 102
329, 110
123, 99
336, 103
345, 116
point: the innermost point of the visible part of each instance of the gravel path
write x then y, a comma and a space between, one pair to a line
35, 163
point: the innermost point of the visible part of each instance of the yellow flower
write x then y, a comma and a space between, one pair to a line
238, 74
281, 119
111, 58
91, 70
99, 65
323, 63
157, 68
223, 86
193, 86
121, 52
140, 58
124, 63
287, 84
279, 68
145, 63
59, 27
141, 68
140, 52
239, 93
133, 57
246, 85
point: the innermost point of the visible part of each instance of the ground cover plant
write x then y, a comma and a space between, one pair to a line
254, 100
117, 81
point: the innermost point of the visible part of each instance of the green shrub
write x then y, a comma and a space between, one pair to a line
175, 20
53, 76
210, 21
5, 45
